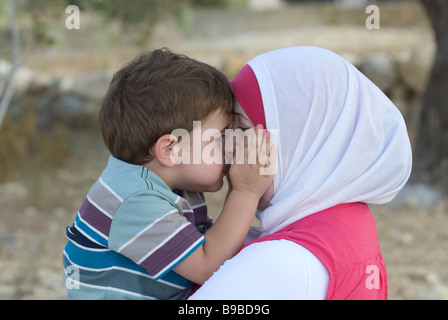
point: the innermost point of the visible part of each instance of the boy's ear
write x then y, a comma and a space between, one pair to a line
162, 149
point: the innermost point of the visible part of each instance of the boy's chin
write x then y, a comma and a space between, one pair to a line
215, 187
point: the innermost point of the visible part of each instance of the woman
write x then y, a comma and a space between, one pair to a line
342, 145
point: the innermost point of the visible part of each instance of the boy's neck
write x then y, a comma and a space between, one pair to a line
161, 171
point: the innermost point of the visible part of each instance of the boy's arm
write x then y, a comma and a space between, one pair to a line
226, 237
223, 240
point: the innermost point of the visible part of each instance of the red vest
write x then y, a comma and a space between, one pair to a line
345, 240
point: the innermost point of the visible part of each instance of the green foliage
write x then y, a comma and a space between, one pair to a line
128, 12
37, 17
210, 3
39, 31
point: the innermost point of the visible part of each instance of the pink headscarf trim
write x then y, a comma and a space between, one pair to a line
247, 92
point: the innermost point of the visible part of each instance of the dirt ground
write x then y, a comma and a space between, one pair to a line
36, 209
413, 237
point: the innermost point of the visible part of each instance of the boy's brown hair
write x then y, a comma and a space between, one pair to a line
154, 94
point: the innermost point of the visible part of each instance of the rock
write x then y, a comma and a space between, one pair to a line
24, 77
92, 86
351, 3
380, 69
414, 195
435, 289
74, 103
7, 292
352, 57
407, 239
69, 108
416, 69
264, 5
14, 190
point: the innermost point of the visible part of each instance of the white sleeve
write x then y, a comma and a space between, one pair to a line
269, 270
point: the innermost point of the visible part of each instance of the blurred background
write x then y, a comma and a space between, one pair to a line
55, 70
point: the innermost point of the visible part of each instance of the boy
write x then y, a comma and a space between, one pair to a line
140, 232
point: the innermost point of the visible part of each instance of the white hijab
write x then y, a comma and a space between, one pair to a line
341, 139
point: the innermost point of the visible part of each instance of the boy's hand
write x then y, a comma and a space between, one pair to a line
226, 237
254, 164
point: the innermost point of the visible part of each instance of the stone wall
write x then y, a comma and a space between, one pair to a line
76, 102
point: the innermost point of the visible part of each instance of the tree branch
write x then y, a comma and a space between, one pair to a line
6, 97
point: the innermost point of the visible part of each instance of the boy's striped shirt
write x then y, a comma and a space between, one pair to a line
128, 235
